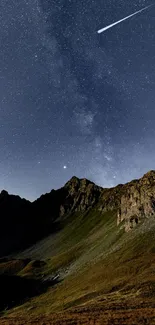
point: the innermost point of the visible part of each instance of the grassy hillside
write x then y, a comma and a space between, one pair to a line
96, 262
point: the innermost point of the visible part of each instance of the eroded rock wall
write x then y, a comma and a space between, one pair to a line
137, 201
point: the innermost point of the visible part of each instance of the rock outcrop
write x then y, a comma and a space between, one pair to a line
81, 195
137, 201
134, 201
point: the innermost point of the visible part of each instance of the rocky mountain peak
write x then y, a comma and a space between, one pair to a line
149, 174
148, 178
76, 184
81, 195
72, 184
4, 193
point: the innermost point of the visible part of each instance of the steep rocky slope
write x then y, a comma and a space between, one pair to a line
134, 201
76, 195
137, 201
82, 195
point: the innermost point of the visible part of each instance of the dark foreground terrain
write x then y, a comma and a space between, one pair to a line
112, 311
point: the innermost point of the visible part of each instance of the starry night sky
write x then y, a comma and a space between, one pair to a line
70, 97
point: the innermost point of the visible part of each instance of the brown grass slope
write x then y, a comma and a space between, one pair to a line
109, 276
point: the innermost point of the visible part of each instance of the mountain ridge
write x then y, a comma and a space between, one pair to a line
133, 201
71, 180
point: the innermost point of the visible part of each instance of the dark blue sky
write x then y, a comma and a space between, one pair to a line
72, 97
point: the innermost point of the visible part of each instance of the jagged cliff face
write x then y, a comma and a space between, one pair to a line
81, 195
138, 201
134, 201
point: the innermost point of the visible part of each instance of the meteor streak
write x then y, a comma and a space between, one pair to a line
117, 22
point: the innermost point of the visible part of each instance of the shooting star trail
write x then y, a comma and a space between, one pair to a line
117, 22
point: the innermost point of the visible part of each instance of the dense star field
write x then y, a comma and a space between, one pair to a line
72, 101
